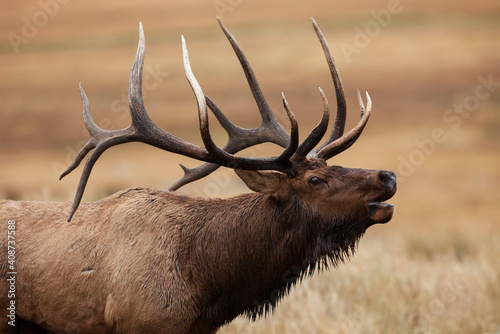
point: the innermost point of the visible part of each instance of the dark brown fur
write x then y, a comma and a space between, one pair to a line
152, 261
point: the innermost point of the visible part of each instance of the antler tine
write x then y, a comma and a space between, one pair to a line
85, 176
267, 115
281, 163
344, 142
135, 101
290, 150
93, 130
195, 86
317, 133
339, 125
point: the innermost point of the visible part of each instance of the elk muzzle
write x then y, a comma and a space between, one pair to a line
382, 212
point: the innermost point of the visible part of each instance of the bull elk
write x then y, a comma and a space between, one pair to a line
153, 261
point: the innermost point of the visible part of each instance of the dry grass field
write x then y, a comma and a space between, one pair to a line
432, 69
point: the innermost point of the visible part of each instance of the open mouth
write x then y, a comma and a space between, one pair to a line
381, 212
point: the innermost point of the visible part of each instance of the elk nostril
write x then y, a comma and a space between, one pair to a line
383, 177
387, 178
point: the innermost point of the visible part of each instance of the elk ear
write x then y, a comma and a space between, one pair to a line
266, 182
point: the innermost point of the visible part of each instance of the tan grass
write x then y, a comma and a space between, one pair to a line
390, 289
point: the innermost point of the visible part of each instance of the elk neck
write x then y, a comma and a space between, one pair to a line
250, 250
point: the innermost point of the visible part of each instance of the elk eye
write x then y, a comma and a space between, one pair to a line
314, 181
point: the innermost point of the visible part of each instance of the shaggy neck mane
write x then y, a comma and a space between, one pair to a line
262, 249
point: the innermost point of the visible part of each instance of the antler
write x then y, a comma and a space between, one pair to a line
143, 129
337, 142
242, 138
270, 129
280, 163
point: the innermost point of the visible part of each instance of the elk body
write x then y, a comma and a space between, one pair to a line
152, 261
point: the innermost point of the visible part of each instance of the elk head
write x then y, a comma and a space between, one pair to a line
299, 174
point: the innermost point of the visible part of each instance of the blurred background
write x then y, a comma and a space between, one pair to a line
432, 70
